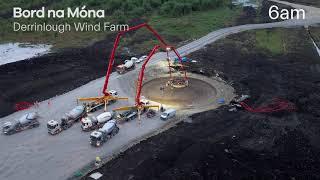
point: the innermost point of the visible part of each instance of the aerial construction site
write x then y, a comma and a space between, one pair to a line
187, 93
158, 87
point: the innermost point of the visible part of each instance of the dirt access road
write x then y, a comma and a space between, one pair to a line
35, 155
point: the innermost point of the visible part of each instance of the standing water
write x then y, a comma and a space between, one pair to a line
246, 3
317, 48
12, 52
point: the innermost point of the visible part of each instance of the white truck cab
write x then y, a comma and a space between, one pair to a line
134, 59
91, 122
53, 127
142, 58
113, 93
87, 122
145, 102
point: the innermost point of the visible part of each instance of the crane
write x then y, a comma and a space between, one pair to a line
107, 96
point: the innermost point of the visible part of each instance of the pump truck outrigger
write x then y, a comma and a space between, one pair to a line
96, 105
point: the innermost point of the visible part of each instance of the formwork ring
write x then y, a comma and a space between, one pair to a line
178, 83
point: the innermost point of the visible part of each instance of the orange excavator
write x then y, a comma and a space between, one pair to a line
109, 97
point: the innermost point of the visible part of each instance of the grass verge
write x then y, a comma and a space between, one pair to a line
174, 29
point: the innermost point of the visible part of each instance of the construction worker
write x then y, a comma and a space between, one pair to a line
98, 161
161, 108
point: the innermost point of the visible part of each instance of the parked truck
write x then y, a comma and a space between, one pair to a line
55, 127
142, 58
127, 116
96, 105
27, 121
91, 122
108, 130
127, 66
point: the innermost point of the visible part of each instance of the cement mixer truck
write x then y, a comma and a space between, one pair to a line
54, 127
27, 121
109, 129
91, 122
127, 66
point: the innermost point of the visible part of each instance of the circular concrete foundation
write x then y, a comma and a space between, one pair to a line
198, 93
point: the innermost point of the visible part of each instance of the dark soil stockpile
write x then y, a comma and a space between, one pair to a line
43, 77
220, 144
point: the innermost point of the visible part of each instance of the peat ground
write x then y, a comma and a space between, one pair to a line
219, 144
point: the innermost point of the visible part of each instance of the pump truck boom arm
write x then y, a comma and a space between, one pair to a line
115, 45
138, 105
141, 74
107, 96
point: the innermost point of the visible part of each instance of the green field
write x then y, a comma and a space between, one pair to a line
270, 41
278, 41
187, 27
176, 20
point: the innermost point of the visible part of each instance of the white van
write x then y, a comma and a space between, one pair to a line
168, 114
